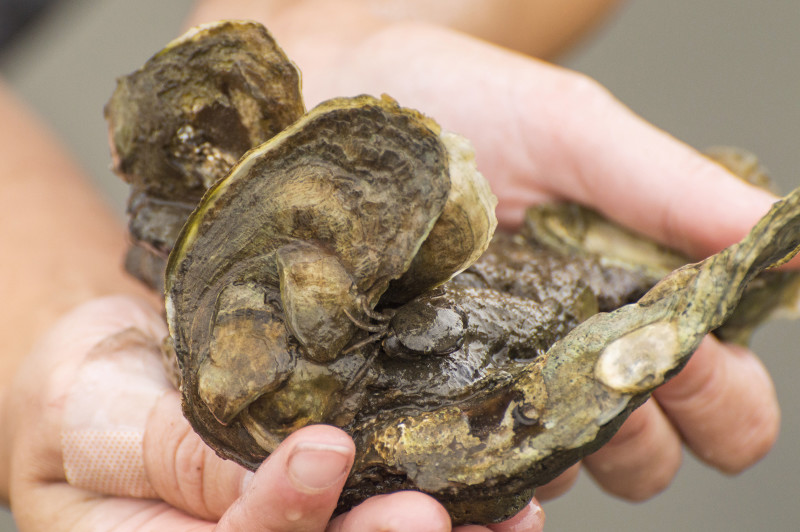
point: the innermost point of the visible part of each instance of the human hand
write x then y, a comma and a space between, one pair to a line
97, 441
540, 133
546, 133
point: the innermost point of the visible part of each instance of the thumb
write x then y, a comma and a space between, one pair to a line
296, 488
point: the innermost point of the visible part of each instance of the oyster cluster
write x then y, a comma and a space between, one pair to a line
341, 266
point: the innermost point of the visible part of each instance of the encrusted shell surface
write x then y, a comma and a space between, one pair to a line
180, 122
317, 281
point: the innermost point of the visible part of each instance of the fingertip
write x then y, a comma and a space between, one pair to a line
559, 485
756, 427
529, 519
724, 405
316, 457
298, 486
403, 511
321, 434
313, 458
315, 466
641, 460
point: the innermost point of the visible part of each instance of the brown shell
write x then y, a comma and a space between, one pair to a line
179, 123
350, 180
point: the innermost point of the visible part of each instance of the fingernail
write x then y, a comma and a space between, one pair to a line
313, 467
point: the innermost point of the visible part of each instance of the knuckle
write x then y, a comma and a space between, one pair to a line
577, 87
190, 474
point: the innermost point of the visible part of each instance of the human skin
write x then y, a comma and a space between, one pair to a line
62, 244
72, 242
539, 131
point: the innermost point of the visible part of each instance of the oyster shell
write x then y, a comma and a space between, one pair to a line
315, 209
181, 121
317, 281
462, 232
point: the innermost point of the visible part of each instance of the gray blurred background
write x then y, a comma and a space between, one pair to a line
707, 71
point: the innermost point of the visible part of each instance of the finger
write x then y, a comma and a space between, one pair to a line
404, 511
530, 519
640, 176
559, 485
541, 131
105, 415
123, 429
723, 403
641, 459
182, 469
298, 486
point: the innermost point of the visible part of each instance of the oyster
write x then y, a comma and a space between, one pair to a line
179, 123
315, 217
344, 271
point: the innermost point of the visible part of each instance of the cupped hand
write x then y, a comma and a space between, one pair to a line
542, 132
98, 442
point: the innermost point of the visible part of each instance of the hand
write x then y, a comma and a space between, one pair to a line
98, 442
542, 132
